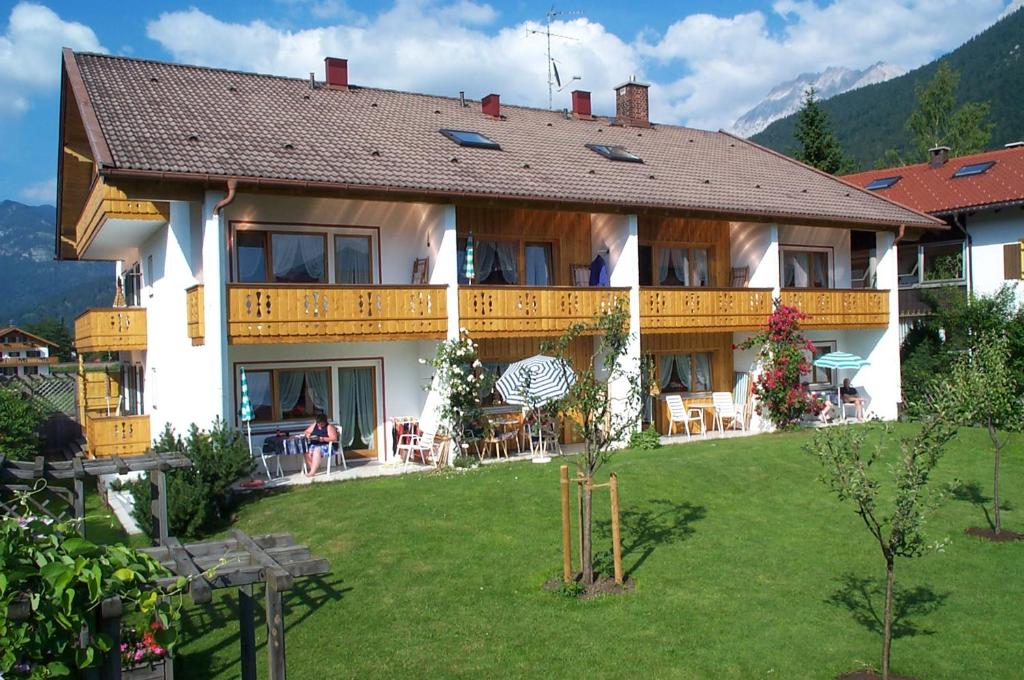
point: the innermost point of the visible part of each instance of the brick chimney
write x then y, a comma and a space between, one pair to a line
337, 72
938, 156
631, 104
581, 104
491, 105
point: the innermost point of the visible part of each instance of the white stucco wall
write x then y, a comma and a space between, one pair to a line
990, 231
756, 246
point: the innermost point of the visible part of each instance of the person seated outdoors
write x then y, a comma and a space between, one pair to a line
322, 436
822, 407
849, 395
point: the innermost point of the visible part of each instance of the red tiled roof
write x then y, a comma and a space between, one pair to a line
169, 118
935, 190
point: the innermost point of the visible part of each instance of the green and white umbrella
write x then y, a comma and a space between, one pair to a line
839, 360
469, 269
247, 416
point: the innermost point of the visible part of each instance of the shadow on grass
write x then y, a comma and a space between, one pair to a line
972, 493
657, 522
865, 598
308, 595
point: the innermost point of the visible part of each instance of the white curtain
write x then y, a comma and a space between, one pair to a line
663, 254
683, 369
797, 270
703, 368
356, 408
316, 381
665, 362
700, 266
298, 257
289, 388
351, 260
680, 262
508, 258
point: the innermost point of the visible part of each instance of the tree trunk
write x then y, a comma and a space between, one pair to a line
586, 558
994, 436
890, 577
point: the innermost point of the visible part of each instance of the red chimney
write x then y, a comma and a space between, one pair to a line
492, 105
337, 72
581, 103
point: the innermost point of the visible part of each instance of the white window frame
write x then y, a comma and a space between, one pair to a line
817, 386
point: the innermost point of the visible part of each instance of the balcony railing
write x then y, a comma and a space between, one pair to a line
27, 361
262, 314
703, 310
194, 315
111, 329
831, 308
107, 202
116, 435
503, 311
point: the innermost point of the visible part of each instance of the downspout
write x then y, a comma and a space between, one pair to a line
224, 202
899, 236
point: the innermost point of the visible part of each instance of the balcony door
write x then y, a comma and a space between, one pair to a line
357, 411
304, 256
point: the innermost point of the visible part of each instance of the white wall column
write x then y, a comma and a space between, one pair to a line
219, 382
625, 273
882, 377
446, 269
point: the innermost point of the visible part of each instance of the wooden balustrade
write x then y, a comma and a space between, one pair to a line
116, 435
27, 361
510, 311
107, 202
831, 308
268, 313
195, 322
703, 310
111, 329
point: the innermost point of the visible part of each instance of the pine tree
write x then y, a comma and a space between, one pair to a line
818, 144
935, 122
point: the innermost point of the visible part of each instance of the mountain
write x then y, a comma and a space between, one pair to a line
871, 119
785, 99
34, 286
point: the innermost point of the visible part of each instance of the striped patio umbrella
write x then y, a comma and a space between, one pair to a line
840, 360
469, 270
535, 381
247, 416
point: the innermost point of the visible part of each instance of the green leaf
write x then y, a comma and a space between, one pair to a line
124, 574
56, 668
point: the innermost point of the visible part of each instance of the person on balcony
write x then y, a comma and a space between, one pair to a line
322, 436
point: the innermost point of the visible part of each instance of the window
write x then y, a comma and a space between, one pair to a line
882, 183
287, 394
821, 378
973, 169
470, 138
681, 267
538, 264
805, 268
132, 286
33, 353
684, 372
31, 370
280, 257
352, 263
251, 247
615, 153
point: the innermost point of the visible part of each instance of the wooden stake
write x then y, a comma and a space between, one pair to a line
566, 541
579, 511
613, 487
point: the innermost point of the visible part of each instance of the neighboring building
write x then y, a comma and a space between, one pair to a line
22, 353
981, 197
314, 234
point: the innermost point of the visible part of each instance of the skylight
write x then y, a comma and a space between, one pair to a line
615, 153
883, 183
973, 169
470, 138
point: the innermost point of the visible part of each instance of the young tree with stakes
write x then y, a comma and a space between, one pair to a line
897, 529
603, 414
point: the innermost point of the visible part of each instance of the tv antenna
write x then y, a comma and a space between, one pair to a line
553, 76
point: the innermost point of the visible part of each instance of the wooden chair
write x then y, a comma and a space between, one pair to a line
679, 413
738, 277
726, 409
420, 270
579, 275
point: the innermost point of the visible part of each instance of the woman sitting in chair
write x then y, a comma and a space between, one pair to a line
849, 395
322, 436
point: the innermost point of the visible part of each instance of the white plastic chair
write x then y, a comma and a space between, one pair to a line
725, 409
678, 413
335, 450
410, 445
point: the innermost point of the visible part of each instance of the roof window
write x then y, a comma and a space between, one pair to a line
973, 169
615, 153
470, 138
883, 183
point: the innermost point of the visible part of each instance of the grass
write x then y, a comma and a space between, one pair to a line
745, 568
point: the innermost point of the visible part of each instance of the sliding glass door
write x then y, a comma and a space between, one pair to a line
357, 411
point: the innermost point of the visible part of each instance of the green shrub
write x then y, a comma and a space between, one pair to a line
645, 439
20, 420
199, 501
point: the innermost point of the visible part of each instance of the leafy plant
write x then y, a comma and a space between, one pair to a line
934, 121
460, 382
21, 419
199, 500
572, 589
645, 440
63, 578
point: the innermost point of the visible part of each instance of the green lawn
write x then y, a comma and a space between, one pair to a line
745, 568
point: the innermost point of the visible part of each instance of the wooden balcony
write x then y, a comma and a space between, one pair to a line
509, 311
703, 310
270, 314
831, 308
106, 203
116, 435
27, 361
111, 329
196, 324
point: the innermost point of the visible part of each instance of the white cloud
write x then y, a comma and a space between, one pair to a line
41, 192
1011, 8
30, 53
710, 69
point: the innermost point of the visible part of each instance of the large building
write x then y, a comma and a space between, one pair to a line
22, 353
314, 233
981, 198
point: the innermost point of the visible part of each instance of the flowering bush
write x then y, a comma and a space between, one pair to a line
140, 647
461, 385
782, 396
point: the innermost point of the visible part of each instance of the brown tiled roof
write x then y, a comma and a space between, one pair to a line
935, 190
184, 119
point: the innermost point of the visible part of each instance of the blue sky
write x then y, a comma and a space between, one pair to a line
708, 62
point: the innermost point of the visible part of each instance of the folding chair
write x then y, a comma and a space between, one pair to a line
423, 445
725, 408
678, 413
